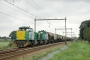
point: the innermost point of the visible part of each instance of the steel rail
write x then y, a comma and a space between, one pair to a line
17, 52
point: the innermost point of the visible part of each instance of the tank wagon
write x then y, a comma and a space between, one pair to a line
25, 36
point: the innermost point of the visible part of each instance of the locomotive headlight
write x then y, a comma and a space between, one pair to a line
17, 37
24, 37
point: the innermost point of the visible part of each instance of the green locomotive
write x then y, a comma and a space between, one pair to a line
24, 37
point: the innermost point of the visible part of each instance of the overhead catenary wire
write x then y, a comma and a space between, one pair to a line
36, 8
43, 10
14, 9
20, 19
40, 11
14, 17
21, 9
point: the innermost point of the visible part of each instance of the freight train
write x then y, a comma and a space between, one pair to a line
25, 36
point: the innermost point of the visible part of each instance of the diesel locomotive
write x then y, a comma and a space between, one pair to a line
25, 36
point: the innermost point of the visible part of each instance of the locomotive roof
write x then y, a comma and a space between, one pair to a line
24, 27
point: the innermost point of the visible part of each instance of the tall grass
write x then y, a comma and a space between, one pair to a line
6, 44
77, 51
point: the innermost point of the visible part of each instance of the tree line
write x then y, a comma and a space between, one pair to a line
85, 30
4, 37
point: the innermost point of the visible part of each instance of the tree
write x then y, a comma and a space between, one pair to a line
85, 30
82, 27
13, 35
0, 37
87, 34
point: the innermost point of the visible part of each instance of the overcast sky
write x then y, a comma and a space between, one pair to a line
11, 17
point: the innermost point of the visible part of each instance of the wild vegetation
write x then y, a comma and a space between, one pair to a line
77, 51
4, 44
85, 30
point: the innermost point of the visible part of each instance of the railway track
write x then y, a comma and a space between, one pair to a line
4, 55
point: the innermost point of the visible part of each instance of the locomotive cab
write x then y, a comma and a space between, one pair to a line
25, 29
23, 33
22, 36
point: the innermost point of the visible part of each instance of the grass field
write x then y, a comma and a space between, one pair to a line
2, 44
77, 51
5, 44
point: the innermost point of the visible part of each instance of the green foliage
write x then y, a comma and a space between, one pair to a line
85, 30
87, 34
13, 35
77, 51
10, 44
81, 34
5, 45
